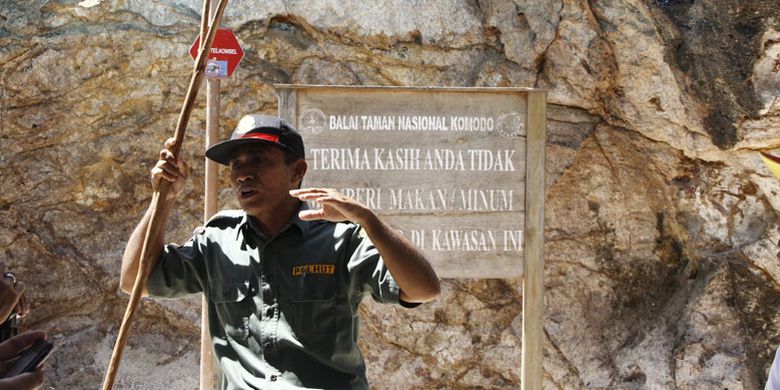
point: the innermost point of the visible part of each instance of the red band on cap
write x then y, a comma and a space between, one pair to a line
267, 137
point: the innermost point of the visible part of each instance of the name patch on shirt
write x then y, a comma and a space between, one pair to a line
316, 269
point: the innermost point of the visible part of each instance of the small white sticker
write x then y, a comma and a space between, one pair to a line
216, 68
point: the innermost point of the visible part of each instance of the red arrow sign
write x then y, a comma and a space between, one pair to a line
225, 53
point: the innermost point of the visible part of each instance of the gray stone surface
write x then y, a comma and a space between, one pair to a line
661, 237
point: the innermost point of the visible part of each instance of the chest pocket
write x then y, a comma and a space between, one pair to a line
314, 288
318, 310
233, 304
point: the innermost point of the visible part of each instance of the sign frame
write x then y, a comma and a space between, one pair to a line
533, 264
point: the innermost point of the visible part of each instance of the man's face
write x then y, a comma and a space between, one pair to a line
261, 178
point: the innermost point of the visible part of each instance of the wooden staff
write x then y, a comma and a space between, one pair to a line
155, 222
204, 21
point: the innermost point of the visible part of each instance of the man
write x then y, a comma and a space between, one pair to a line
283, 281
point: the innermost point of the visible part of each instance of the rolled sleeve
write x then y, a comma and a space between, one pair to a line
179, 271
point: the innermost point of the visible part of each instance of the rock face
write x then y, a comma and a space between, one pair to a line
661, 223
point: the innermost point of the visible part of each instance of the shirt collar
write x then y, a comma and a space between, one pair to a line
301, 225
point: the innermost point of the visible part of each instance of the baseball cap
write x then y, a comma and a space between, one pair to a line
256, 128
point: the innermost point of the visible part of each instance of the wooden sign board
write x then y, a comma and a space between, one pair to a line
445, 166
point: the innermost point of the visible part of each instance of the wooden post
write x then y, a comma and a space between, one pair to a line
533, 273
210, 207
287, 105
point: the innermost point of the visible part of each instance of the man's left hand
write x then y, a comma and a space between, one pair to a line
336, 207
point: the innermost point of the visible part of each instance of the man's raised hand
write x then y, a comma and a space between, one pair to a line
336, 207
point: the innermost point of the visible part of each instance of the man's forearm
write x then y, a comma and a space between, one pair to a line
132, 256
409, 267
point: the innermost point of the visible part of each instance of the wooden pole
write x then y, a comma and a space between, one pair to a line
210, 207
533, 266
155, 222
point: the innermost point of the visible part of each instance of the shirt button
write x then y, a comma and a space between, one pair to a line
274, 378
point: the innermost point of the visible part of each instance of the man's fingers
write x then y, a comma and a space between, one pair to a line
171, 177
315, 194
166, 155
169, 143
160, 173
19, 343
169, 168
309, 215
170, 171
315, 197
28, 380
307, 191
326, 199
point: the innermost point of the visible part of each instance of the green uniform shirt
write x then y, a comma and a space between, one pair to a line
283, 313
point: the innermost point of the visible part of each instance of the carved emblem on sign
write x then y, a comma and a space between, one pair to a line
511, 124
313, 121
